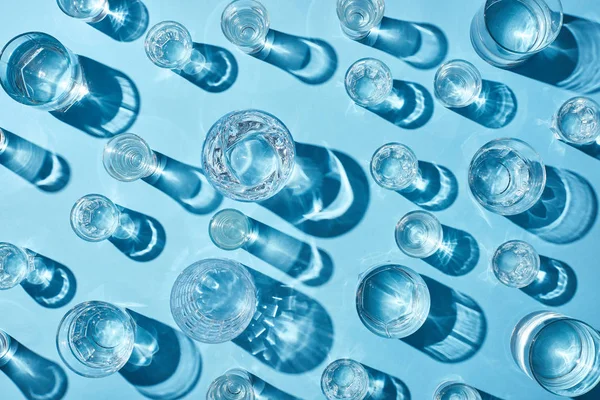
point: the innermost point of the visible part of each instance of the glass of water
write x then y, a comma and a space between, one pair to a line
169, 45
394, 166
85, 10
127, 157
419, 234
507, 32
559, 352
345, 379
456, 391
95, 218
457, 83
245, 23
15, 265
577, 121
516, 263
235, 384
507, 176
248, 155
230, 229
359, 17
368, 82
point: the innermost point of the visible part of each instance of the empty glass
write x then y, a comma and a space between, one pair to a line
38, 71
230, 229
345, 379
95, 218
394, 166
577, 121
392, 301
419, 234
85, 10
516, 263
368, 82
127, 157
169, 45
213, 300
234, 385
457, 83
507, 176
456, 391
359, 17
248, 155
559, 352
507, 32
245, 23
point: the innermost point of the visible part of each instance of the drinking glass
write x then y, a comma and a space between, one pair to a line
95, 218
127, 157
86, 10
457, 83
234, 385
169, 44
394, 166
21, 266
368, 82
516, 263
577, 121
456, 391
230, 229
419, 234
245, 23
345, 379
359, 17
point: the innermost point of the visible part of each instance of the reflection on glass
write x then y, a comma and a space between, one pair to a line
368, 82
359, 17
457, 83
345, 379
236, 384
245, 23
577, 121
394, 166
95, 218
230, 229
169, 45
85, 10
516, 263
419, 234
127, 157
456, 391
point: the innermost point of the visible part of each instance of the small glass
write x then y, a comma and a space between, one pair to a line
169, 45
86, 10
419, 234
507, 176
19, 266
95, 339
392, 301
507, 32
345, 379
213, 300
577, 121
516, 263
394, 166
359, 17
456, 391
230, 229
95, 218
368, 82
127, 157
248, 155
457, 83
245, 23
236, 384
559, 352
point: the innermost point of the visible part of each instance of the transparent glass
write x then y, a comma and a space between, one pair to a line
234, 385
507, 32
213, 300
577, 121
230, 229
559, 352
95, 339
7, 349
394, 166
169, 45
85, 10
95, 218
127, 157
456, 391
516, 263
507, 176
245, 23
38, 71
15, 265
419, 234
457, 83
248, 155
345, 379
368, 82
392, 301
359, 17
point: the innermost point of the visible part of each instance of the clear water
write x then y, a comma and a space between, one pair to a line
419, 234
230, 229
457, 84
578, 121
245, 23
368, 82
345, 379
252, 159
394, 166
358, 17
516, 263
234, 385
94, 218
456, 391
169, 45
128, 157
87, 10
14, 266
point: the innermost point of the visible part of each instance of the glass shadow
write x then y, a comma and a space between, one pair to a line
265, 391
328, 194
35, 376
216, 74
458, 254
423, 46
147, 239
165, 364
555, 283
185, 184
44, 169
571, 61
126, 21
591, 149
566, 211
593, 394
494, 108
436, 190
57, 286
455, 328
409, 105
383, 386
290, 332
111, 105
312, 61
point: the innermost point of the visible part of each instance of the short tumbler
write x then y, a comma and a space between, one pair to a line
345, 379
359, 17
577, 121
516, 263
457, 83
394, 166
419, 234
245, 23
368, 82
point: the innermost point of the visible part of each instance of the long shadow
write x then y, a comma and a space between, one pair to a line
423, 46
126, 21
218, 71
566, 211
328, 194
44, 169
458, 254
383, 386
146, 241
111, 106
591, 149
409, 105
56, 285
571, 61
312, 61
165, 364
265, 391
495, 107
290, 332
436, 190
455, 328
555, 284
593, 394
185, 184
35, 376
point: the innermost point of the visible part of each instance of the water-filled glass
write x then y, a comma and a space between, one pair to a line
359, 17
368, 82
394, 166
127, 157
419, 234
169, 45
235, 384
457, 83
345, 379
456, 391
230, 229
248, 155
213, 300
507, 176
577, 121
95, 218
15, 265
559, 352
245, 23
516, 263
392, 301
85, 10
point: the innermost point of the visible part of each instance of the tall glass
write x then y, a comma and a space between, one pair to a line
359, 17
245, 23
577, 121
419, 234
235, 384
456, 391
345, 379
507, 32
127, 157
86, 10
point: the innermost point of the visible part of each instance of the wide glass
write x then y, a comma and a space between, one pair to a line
15, 265
230, 229
507, 176
127, 157
235, 384
456, 391
368, 82
394, 166
359, 17
516, 263
169, 45
507, 32
419, 234
577, 121
248, 155
559, 352
85, 10
345, 379
245, 23
392, 301
457, 83
95, 218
